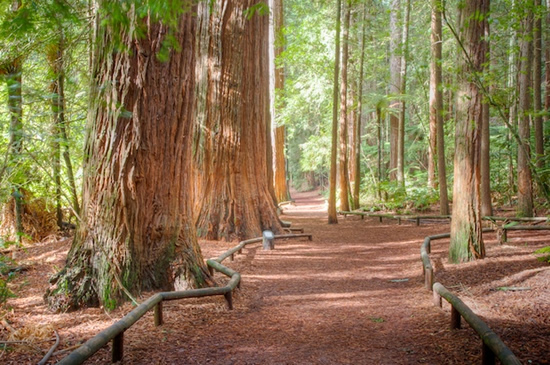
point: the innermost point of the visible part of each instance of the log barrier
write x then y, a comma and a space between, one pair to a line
115, 332
492, 345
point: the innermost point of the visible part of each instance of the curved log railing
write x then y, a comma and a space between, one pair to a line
492, 344
115, 332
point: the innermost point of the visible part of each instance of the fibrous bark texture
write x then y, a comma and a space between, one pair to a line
466, 235
137, 231
232, 194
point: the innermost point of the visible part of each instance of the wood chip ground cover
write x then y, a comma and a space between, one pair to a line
354, 295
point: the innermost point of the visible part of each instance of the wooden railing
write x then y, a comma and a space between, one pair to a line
115, 332
492, 344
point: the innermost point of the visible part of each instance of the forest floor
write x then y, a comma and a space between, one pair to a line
353, 295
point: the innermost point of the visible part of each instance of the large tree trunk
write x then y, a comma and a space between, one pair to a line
525, 181
343, 132
395, 84
437, 132
466, 235
281, 187
233, 200
359, 115
332, 214
137, 231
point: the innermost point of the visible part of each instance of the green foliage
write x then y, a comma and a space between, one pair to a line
545, 251
6, 275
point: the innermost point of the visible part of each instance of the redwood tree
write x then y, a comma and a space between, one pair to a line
437, 136
343, 130
466, 234
281, 187
233, 200
137, 231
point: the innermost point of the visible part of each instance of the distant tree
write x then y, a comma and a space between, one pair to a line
402, 90
343, 130
437, 136
137, 231
485, 168
359, 114
332, 214
466, 235
281, 187
395, 83
524, 174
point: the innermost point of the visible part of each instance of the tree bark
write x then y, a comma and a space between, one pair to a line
137, 231
395, 84
343, 136
359, 115
466, 234
233, 200
524, 177
332, 216
281, 187
437, 132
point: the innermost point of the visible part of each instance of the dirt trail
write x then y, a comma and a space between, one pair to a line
352, 296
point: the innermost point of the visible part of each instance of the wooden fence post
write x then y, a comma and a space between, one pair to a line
487, 356
118, 348
437, 299
429, 278
229, 299
455, 318
158, 314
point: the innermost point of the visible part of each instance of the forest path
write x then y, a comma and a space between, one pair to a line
354, 295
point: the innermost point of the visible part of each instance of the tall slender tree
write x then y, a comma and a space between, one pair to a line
402, 87
485, 168
332, 214
343, 130
524, 174
359, 114
137, 230
281, 187
437, 137
537, 87
395, 83
466, 235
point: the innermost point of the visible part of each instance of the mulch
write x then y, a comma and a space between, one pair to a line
354, 295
